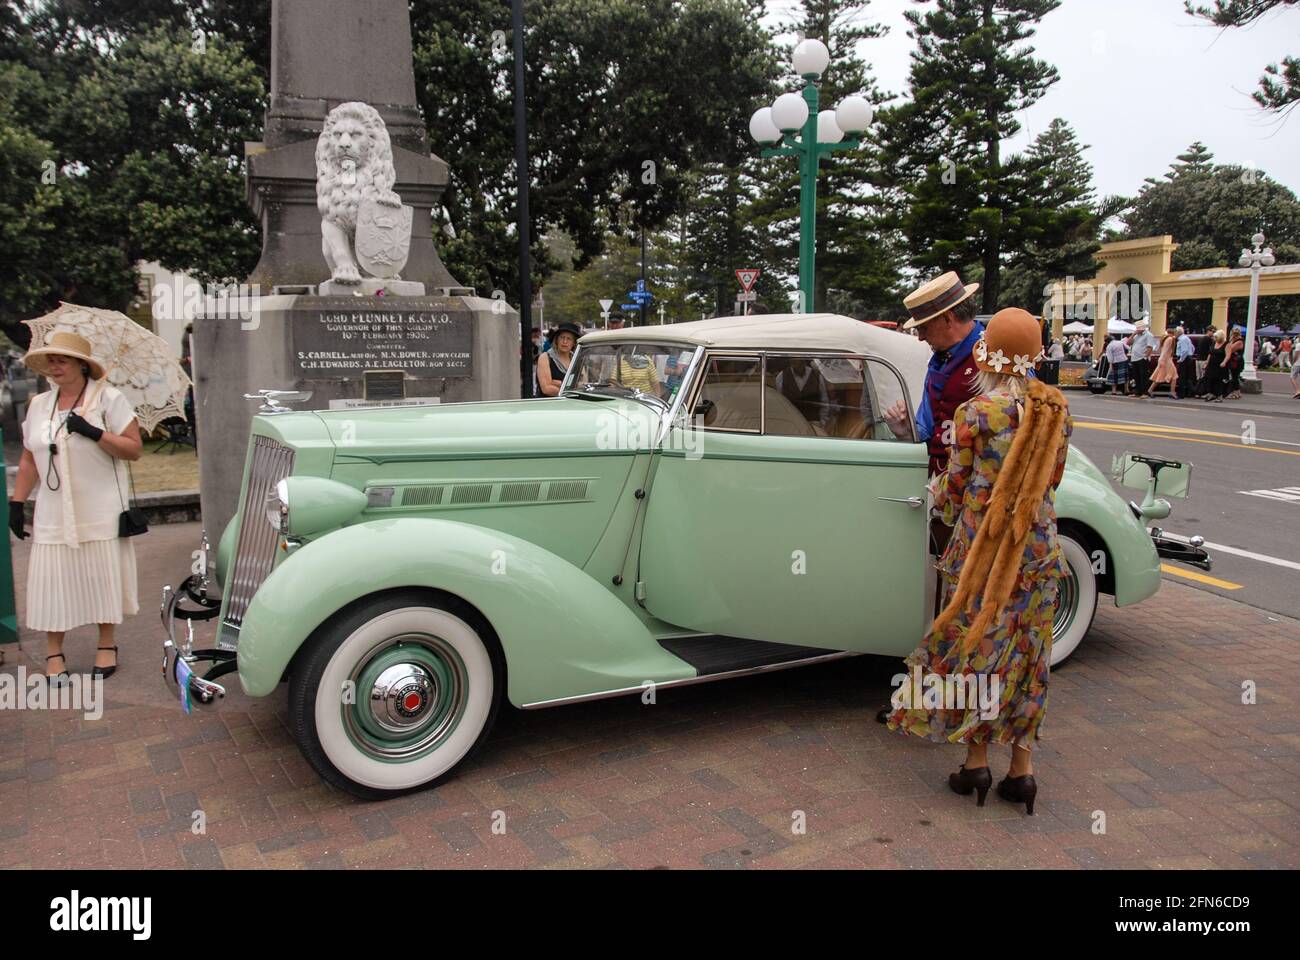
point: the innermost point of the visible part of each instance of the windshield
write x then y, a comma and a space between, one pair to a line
643, 370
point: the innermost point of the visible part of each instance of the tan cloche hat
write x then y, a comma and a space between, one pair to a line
935, 297
1012, 343
65, 345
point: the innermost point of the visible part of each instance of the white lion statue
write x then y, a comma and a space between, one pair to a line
354, 162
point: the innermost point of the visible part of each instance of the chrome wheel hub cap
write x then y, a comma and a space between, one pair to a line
402, 696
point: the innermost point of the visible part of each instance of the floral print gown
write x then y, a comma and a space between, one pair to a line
1018, 647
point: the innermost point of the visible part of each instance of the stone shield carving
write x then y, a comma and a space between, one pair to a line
383, 238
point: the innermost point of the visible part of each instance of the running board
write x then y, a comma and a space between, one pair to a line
715, 654
761, 658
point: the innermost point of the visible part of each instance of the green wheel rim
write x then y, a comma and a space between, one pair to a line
409, 695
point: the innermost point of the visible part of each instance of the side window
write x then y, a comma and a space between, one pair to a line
830, 396
731, 394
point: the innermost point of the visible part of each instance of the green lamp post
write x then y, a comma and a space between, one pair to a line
809, 134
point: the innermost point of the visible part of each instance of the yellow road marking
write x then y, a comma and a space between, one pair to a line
1162, 434
1200, 577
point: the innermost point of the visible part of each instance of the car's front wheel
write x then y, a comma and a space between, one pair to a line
1076, 602
392, 694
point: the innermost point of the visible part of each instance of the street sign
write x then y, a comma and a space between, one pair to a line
631, 306
640, 286
749, 296
605, 305
748, 278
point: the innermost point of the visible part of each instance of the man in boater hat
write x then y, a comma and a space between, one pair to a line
943, 316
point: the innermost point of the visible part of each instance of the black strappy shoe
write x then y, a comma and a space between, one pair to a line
60, 678
105, 671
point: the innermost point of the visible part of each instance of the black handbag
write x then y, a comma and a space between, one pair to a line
131, 522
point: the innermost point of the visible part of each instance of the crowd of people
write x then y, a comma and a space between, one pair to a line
1206, 367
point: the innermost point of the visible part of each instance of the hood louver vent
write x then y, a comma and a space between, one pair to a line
429, 496
471, 493
485, 493
520, 492
567, 490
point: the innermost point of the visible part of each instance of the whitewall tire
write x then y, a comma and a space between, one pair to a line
392, 695
1076, 600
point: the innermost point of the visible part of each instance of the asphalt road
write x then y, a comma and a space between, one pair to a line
1245, 486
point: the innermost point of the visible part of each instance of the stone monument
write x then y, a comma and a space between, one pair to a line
349, 289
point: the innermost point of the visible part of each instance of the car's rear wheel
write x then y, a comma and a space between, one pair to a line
1076, 602
391, 695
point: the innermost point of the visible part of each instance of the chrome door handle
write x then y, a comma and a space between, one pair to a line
910, 501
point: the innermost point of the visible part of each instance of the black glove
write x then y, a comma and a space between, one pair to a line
78, 424
17, 519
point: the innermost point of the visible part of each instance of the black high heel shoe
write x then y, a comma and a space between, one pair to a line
105, 672
1019, 790
60, 678
966, 781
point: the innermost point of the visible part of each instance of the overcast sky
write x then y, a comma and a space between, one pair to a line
1139, 81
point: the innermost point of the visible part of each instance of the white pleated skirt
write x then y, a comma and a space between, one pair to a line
70, 587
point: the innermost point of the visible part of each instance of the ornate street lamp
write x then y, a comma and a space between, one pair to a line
808, 134
1260, 256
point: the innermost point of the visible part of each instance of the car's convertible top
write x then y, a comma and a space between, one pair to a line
818, 332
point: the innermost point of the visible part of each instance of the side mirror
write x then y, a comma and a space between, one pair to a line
1172, 478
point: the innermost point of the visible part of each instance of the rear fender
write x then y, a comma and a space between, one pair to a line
1131, 567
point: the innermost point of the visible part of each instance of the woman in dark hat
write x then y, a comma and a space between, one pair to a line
553, 365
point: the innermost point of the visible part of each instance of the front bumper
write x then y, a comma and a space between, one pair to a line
203, 688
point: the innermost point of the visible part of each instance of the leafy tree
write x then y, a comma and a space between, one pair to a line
959, 202
1061, 230
1212, 210
143, 131
624, 97
1279, 87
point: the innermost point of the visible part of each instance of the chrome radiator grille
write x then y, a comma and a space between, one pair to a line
255, 549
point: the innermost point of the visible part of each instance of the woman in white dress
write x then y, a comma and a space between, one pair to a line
80, 571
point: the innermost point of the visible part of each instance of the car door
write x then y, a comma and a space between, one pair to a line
780, 515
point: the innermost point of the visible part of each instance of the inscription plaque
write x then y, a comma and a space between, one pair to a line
344, 339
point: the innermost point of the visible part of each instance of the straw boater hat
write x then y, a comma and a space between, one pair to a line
935, 297
65, 345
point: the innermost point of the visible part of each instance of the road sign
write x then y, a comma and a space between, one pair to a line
640, 286
749, 296
748, 278
605, 305
631, 306
640, 296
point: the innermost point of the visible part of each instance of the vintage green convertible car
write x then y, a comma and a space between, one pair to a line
702, 500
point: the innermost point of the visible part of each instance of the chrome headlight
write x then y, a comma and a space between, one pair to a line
277, 508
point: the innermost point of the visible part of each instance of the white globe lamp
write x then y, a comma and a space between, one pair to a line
854, 114
762, 127
790, 112
828, 131
811, 58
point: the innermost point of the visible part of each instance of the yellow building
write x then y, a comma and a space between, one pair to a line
1135, 275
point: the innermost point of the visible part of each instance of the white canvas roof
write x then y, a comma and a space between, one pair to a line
788, 331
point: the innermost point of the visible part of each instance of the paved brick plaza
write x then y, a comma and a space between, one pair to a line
1145, 724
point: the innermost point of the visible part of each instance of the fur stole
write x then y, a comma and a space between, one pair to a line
992, 566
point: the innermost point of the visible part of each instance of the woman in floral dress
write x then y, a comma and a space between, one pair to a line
1001, 569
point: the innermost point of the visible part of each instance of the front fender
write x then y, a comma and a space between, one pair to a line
563, 633
1087, 500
